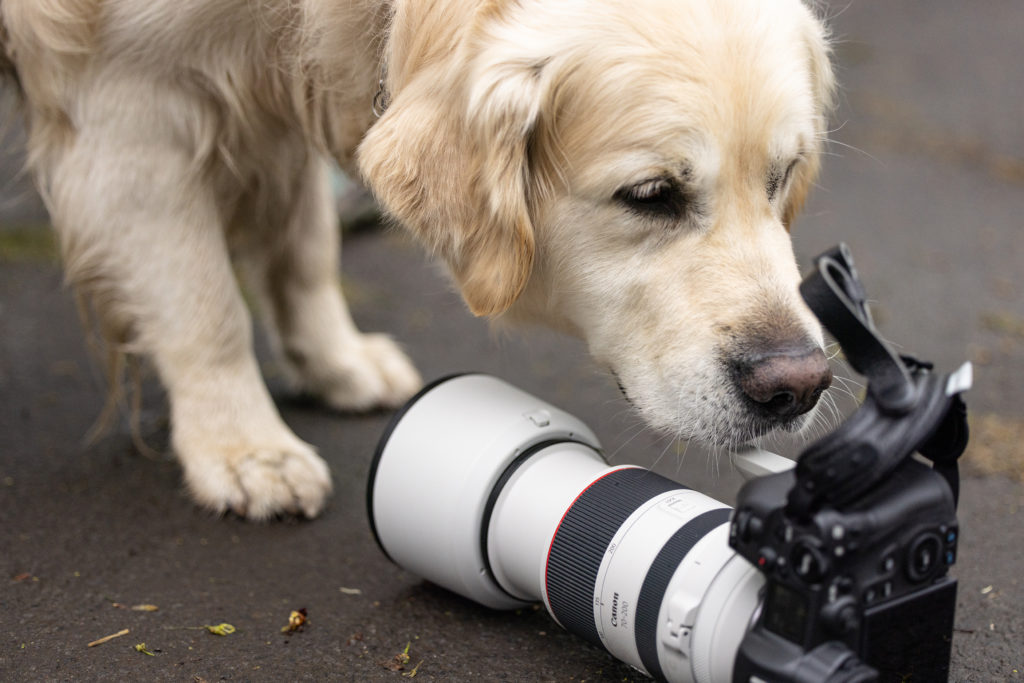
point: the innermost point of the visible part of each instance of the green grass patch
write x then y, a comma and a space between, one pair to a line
28, 244
996, 447
1003, 323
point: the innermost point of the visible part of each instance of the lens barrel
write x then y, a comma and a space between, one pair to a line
436, 465
490, 492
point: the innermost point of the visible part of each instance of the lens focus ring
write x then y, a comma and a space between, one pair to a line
582, 538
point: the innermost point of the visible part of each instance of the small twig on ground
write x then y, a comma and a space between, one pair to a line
216, 629
105, 639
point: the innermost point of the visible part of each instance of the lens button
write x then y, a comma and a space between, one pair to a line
539, 418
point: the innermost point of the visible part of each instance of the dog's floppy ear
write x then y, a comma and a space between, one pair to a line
449, 161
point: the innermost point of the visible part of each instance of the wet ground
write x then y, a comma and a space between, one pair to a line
925, 182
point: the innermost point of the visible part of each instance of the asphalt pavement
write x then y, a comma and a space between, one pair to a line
925, 182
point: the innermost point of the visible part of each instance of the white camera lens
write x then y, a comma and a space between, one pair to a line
496, 495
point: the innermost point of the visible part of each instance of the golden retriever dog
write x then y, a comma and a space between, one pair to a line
624, 170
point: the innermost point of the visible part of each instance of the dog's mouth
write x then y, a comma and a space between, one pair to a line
747, 425
622, 389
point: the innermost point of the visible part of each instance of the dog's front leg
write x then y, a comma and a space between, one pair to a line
143, 242
327, 355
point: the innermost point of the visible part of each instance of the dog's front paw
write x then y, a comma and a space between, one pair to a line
257, 481
372, 373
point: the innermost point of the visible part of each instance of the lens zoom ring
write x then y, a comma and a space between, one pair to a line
583, 537
652, 593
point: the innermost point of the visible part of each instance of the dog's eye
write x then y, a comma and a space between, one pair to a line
789, 172
777, 182
650, 190
657, 196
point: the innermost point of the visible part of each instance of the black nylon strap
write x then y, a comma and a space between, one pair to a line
835, 293
907, 407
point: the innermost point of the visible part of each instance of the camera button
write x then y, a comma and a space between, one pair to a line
924, 555
880, 591
808, 562
841, 616
766, 558
747, 526
781, 568
755, 527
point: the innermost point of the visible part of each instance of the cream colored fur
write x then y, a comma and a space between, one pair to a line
167, 135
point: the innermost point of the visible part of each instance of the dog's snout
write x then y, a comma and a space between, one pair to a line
786, 383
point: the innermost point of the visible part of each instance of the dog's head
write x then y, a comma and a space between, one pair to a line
627, 171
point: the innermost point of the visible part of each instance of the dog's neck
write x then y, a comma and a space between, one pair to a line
400, 37
341, 48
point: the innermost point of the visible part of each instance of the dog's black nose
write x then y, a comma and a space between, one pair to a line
786, 383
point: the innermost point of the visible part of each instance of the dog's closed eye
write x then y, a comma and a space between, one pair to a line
655, 197
777, 181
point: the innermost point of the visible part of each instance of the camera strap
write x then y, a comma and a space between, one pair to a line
907, 408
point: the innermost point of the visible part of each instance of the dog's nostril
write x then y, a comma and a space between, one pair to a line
786, 384
781, 403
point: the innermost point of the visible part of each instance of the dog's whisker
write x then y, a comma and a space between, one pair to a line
852, 148
833, 351
822, 422
844, 388
828, 402
848, 381
681, 456
845, 392
671, 440
634, 431
639, 428
825, 135
833, 419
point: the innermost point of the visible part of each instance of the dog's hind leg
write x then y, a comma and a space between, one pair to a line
327, 355
143, 241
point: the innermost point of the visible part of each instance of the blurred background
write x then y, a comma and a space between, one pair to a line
924, 180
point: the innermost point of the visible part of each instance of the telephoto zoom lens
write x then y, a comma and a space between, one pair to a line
500, 497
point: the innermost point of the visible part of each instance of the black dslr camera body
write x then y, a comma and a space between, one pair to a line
868, 584
856, 543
